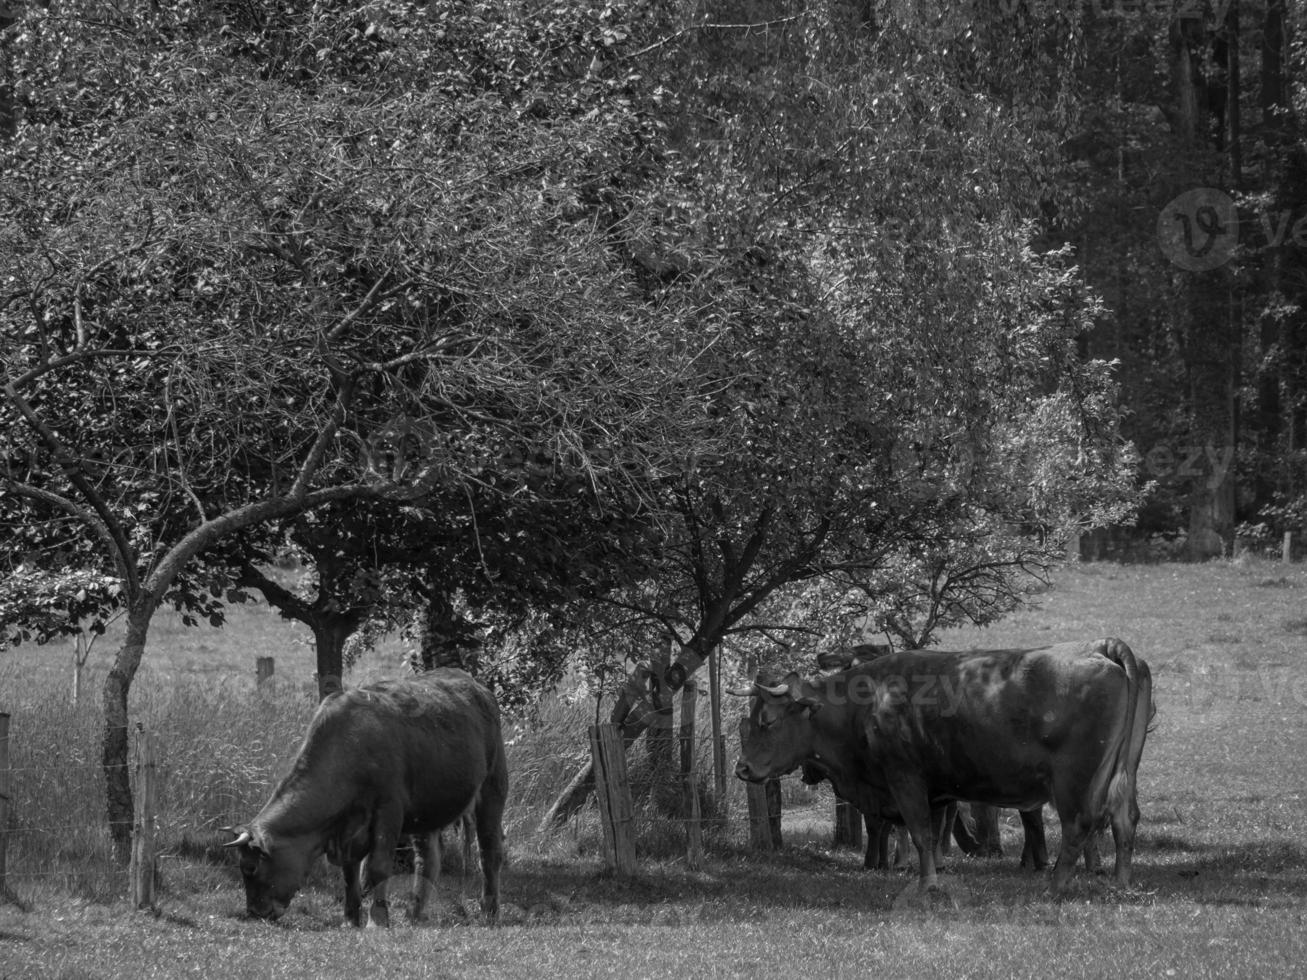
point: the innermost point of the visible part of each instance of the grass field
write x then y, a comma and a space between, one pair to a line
1221, 866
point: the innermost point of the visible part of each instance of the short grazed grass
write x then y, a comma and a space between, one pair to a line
1221, 867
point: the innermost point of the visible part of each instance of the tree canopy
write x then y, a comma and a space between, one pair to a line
621, 324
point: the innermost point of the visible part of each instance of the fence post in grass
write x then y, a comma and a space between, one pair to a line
264, 668
613, 794
718, 737
763, 828
4, 803
144, 846
773, 788
1286, 550
690, 772
764, 801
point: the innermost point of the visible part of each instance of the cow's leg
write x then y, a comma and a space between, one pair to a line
967, 843
426, 871
943, 819
1076, 814
490, 837
989, 843
1125, 819
945, 822
902, 848
353, 894
877, 855
1034, 852
386, 826
913, 803
1093, 861
467, 825
1075, 828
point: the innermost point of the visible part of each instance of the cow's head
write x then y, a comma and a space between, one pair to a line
778, 735
273, 870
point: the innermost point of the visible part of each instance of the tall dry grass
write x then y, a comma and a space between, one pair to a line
222, 748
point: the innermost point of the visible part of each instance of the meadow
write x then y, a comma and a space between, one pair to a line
1221, 863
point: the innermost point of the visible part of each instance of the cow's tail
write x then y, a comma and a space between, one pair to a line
1120, 777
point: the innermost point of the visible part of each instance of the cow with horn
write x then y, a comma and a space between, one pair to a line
394, 758
1064, 724
882, 820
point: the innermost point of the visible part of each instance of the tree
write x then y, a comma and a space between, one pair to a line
272, 258
891, 355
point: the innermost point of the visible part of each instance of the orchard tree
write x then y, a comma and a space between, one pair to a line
890, 352
228, 268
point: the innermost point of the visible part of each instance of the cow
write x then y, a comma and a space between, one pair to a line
985, 842
1064, 724
393, 758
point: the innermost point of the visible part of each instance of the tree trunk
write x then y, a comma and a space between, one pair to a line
1270, 475
330, 631
117, 687
448, 638
1212, 346
661, 743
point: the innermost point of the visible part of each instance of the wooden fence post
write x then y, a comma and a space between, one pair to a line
773, 789
264, 668
718, 737
763, 835
764, 809
613, 794
4, 802
144, 845
1286, 549
690, 771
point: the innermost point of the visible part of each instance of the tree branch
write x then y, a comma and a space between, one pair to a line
122, 552
88, 517
276, 595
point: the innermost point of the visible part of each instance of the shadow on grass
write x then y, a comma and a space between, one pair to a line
739, 886
1253, 874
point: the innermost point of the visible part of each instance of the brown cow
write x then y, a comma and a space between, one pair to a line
1015, 728
379, 762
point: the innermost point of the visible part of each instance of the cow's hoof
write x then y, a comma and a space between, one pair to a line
380, 917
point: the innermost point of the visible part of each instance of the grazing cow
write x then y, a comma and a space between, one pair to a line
1013, 728
395, 758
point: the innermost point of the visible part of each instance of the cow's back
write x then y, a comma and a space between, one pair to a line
994, 725
431, 742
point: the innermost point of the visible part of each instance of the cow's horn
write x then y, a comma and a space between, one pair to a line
741, 692
243, 838
776, 691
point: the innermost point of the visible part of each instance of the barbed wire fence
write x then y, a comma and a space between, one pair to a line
53, 837
49, 846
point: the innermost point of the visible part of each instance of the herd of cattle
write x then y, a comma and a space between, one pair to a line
903, 736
